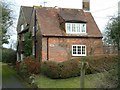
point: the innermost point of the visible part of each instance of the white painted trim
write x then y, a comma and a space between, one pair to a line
77, 31
22, 57
17, 56
21, 27
81, 51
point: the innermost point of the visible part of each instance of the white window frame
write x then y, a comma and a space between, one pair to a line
75, 28
21, 27
77, 51
33, 50
33, 31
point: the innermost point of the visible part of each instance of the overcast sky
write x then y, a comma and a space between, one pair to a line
101, 10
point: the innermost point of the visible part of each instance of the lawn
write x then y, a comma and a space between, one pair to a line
91, 81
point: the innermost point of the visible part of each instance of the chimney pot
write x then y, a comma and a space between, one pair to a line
86, 5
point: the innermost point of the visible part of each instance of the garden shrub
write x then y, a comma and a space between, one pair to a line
32, 65
71, 68
23, 71
28, 66
50, 69
66, 69
102, 63
9, 56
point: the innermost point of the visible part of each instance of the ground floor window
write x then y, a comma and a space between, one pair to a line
78, 50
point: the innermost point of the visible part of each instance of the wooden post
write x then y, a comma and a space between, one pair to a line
82, 75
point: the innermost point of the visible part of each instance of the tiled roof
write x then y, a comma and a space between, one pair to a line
92, 28
49, 22
72, 14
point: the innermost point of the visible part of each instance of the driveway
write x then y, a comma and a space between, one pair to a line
10, 79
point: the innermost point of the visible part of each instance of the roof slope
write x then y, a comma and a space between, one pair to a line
49, 21
92, 28
24, 16
27, 13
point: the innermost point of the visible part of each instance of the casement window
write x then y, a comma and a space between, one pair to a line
22, 27
33, 51
33, 31
78, 50
75, 28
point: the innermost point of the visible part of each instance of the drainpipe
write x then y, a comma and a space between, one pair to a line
35, 32
47, 48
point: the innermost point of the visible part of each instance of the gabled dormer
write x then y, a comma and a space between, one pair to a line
73, 21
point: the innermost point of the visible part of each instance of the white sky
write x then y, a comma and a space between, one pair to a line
100, 9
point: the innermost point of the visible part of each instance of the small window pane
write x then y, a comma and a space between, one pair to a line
83, 49
73, 27
79, 49
74, 52
68, 27
83, 28
78, 27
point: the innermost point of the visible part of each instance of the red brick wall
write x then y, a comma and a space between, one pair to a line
60, 49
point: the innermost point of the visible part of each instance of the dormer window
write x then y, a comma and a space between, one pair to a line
75, 28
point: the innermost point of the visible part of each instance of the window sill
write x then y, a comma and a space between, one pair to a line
78, 34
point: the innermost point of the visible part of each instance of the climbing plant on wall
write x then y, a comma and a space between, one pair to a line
28, 44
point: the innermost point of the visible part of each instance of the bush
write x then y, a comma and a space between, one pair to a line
33, 66
71, 68
9, 56
28, 66
50, 69
66, 69
102, 63
23, 70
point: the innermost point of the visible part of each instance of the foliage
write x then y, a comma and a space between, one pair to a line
50, 69
71, 68
113, 32
23, 72
8, 56
28, 66
98, 64
99, 80
28, 44
66, 69
7, 21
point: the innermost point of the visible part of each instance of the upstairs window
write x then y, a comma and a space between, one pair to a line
33, 31
75, 28
78, 50
22, 27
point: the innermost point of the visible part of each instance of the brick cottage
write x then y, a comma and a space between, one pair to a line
59, 34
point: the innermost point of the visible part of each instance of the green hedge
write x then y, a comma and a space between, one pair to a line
71, 68
66, 69
102, 63
9, 56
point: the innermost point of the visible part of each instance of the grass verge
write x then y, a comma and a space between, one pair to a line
99, 80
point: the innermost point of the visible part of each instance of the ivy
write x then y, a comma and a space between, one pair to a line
28, 44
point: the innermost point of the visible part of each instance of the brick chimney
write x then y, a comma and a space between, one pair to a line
86, 5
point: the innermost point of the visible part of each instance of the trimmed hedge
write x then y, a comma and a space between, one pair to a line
102, 63
71, 68
66, 69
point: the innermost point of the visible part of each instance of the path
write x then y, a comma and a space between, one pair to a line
10, 78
